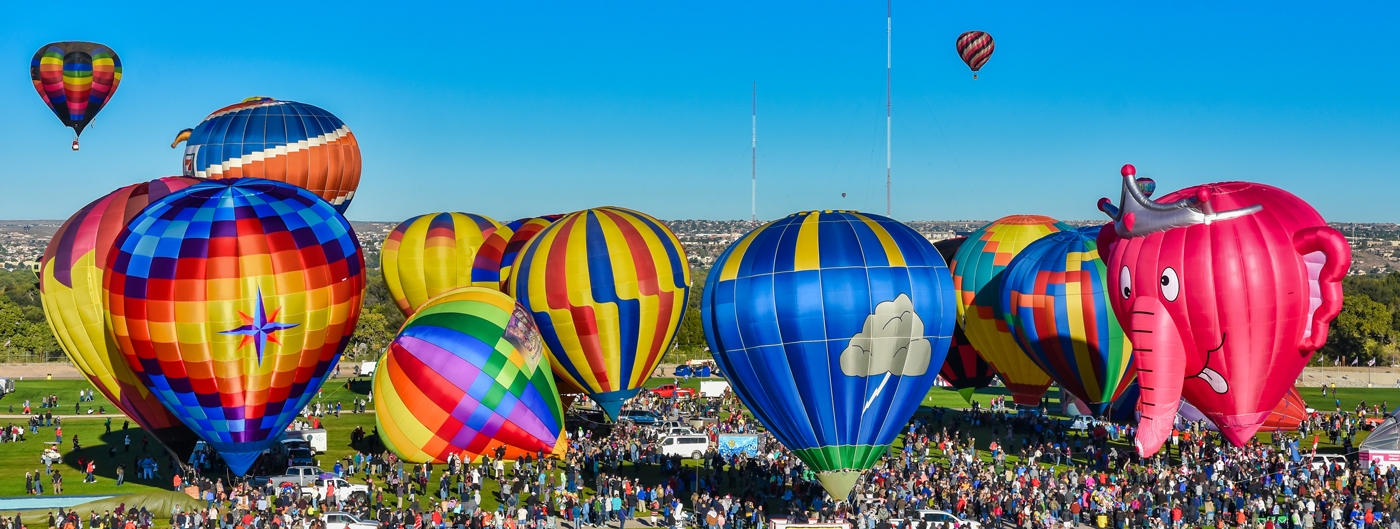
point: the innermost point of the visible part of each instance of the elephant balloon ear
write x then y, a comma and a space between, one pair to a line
1327, 256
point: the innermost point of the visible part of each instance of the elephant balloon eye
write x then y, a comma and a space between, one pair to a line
1171, 286
1125, 282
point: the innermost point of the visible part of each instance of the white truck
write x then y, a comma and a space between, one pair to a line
367, 368
713, 389
300, 476
343, 490
316, 437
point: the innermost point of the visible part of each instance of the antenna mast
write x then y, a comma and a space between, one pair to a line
753, 163
889, 29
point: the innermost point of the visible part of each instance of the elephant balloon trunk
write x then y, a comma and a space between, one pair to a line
1161, 361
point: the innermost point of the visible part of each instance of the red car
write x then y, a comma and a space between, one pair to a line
670, 390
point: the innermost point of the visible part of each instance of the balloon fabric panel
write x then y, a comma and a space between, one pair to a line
467, 374
790, 310
608, 288
500, 251
70, 284
232, 300
76, 80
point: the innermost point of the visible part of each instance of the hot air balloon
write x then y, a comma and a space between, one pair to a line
830, 326
70, 287
977, 274
1055, 300
233, 300
430, 254
608, 287
467, 374
497, 256
285, 141
964, 369
76, 80
1227, 290
1286, 416
975, 47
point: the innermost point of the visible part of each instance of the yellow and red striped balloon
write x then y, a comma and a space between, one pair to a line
70, 287
430, 254
607, 287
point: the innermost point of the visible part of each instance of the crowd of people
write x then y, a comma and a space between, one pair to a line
994, 466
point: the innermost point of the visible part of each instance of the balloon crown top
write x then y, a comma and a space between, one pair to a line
821, 211
1138, 215
258, 98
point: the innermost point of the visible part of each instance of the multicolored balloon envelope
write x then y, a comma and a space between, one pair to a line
1055, 300
232, 300
467, 374
1227, 290
70, 287
285, 141
76, 80
978, 267
975, 48
965, 369
430, 254
608, 287
1286, 416
502, 248
831, 327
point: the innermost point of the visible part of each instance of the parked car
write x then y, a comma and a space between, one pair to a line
345, 520
344, 490
300, 457
1321, 461
670, 390
300, 476
641, 417
692, 446
933, 519
1083, 423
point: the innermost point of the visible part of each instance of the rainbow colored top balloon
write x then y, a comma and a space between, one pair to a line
965, 369
831, 327
76, 80
286, 141
467, 374
232, 300
608, 287
1055, 300
430, 254
70, 287
977, 274
1227, 290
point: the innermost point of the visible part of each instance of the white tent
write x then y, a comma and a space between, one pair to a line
1382, 447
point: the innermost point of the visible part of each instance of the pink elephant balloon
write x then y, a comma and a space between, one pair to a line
1226, 290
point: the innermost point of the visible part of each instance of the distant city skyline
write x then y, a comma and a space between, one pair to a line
512, 110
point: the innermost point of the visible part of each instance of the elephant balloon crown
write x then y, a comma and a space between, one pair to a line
1139, 215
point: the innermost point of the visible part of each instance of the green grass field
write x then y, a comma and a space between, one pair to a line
17, 458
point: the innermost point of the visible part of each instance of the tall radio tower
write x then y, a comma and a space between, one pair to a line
889, 31
753, 163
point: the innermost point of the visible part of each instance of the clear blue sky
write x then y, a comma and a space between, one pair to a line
520, 108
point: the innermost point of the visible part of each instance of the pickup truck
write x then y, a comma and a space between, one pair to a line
300, 476
344, 490
670, 390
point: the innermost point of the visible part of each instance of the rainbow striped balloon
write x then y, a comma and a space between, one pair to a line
1055, 301
430, 254
977, 274
287, 141
467, 374
76, 80
70, 288
608, 287
502, 248
232, 300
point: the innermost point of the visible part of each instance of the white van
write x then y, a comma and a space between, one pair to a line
692, 446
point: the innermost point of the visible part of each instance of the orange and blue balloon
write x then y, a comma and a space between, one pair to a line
287, 141
232, 300
70, 288
76, 80
430, 254
608, 287
1056, 302
466, 375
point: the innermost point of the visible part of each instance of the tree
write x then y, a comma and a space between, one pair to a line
1362, 329
373, 333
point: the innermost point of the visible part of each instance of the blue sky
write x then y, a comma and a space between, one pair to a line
521, 108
